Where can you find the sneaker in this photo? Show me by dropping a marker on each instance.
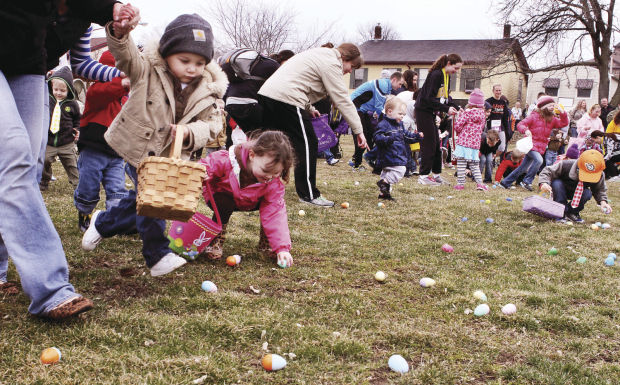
(614, 179)
(53, 178)
(416, 172)
(482, 186)
(574, 218)
(428, 181)
(526, 186)
(351, 163)
(332, 161)
(169, 263)
(83, 221)
(359, 168)
(70, 308)
(459, 187)
(502, 185)
(319, 201)
(440, 180)
(91, 237)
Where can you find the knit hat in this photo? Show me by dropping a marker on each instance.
(572, 152)
(477, 98)
(544, 100)
(187, 33)
(591, 165)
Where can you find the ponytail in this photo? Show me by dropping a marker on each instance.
(444, 60)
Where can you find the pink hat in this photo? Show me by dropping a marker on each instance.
(476, 98)
(544, 100)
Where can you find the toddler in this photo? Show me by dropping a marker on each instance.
(592, 141)
(173, 84)
(392, 142)
(250, 176)
(556, 140)
(509, 162)
(468, 128)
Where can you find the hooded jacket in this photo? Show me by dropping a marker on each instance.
(393, 141)
(69, 110)
(142, 128)
(568, 172)
(371, 96)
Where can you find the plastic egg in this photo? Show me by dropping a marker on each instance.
(481, 310)
(488, 201)
(609, 261)
(233, 260)
(344, 205)
(509, 309)
(599, 224)
(302, 213)
(398, 364)
(479, 294)
(582, 260)
(612, 255)
(594, 227)
(607, 211)
(380, 204)
(282, 264)
(482, 200)
(356, 183)
(552, 251)
(605, 226)
(273, 362)
(464, 219)
(209, 287)
(449, 197)
(494, 186)
(509, 199)
(447, 248)
(380, 276)
(427, 282)
(50, 356)
(490, 220)
(431, 198)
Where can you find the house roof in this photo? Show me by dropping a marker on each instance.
(427, 51)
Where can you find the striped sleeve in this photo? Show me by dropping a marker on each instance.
(83, 65)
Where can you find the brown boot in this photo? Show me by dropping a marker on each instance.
(216, 247)
(70, 309)
(263, 244)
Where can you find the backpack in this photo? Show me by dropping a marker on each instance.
(239, 64)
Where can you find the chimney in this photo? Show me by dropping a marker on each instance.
(378, 31)
(507, 28)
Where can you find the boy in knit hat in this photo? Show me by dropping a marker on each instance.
(574, 182)
(173, 85)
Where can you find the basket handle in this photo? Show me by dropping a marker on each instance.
(213, 205)
(178, 142)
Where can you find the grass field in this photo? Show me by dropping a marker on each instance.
(327, 315)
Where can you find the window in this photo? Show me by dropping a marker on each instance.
(583, 93)
(470, 79)
(584, 88)
(551, 91)
(358, 77)
(422, 74)
(392, 70)
(551, 86)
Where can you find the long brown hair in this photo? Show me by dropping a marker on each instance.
(350, 52)
(617, 118)
(275, 144)
(444, 60)
(408, 75)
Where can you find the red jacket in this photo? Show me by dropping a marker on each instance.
(540, 129)
(506, 165)
(103, 102)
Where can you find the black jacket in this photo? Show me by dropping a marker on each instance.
(428, 99)
(69, 111)
(24, 27)
(499, 111)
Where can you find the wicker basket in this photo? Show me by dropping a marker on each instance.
(169, 188)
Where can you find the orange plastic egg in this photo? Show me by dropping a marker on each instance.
(50, 356)
(272, 362)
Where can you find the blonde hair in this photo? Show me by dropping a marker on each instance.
(393, 102)
(594, 107)
(516, 154)
(493, 136)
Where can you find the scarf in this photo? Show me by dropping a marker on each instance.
(577, 196)
(55, 122)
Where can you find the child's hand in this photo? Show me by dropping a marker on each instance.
(421, 134)
(605, 207)
(76, 134)
(173, 128)
(126, 83)
(546, 188)
(285, 259)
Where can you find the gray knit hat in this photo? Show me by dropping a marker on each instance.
(187, 33)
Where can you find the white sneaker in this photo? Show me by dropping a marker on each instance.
(426, 180)
(440, 180)
(320, 201)
(169, 263)
(332, 162)
(91, 237)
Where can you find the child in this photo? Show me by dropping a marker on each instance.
(98, 162)
(510, 161)
(468, 128)
(556, 140)
(173, 84)
(392, 146)
(592, 141)
(489, 144)
(249, 177)
(64, 123)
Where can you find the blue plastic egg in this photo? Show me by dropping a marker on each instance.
(509, 199)
(398, 364)
(464, 219)
(490, 220)
(209, 287)
(481, 310)
(612, 255)
(609, 261)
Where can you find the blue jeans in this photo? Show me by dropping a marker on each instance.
(27, 233)
(550, 157)
(531, 163)
(122, 219)
(97, 167)
(328, 155)
(562, 194)
(486, 166)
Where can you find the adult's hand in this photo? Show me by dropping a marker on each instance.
(361, 141)
(315, 113)
(126, 18)
(452, 111)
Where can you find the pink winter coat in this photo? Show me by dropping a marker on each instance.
(469, 126)
(541, 129)
(269, 196)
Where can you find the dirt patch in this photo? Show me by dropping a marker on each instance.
(120, 289)
(380, 376)
(129, 272)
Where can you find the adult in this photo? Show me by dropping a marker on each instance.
(588, 123)
(369, 99)
(410, 79)
(287, 98)
(282, 56)
(499, 119)
(612, 149)
(576, 181)
(606, 108)
(517, 112)
(575, 114)
(26, 229)
(434, 97)
(538, 126)
(532, 106)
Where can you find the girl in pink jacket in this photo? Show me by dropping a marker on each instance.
(251, 176)
(538, 125)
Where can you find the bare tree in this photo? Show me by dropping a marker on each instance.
(264, 28)
(366, 31)
(544, 26)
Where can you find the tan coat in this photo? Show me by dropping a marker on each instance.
(141, 129)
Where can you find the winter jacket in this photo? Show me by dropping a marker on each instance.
(392, 141)
(373, 93)
(69, 110)
(24, 32)
(469, 126)
(142, 128)
(541, 129)
(586, 125)
(223, 176)
(431, 97)
(568, 172)
(506, 166)
(307, 78)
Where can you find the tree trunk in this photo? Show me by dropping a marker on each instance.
(603, 84)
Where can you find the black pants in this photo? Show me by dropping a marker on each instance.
(430, 151)
(225, 206)
(369, 126)
(295, 123)
(610, 167)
